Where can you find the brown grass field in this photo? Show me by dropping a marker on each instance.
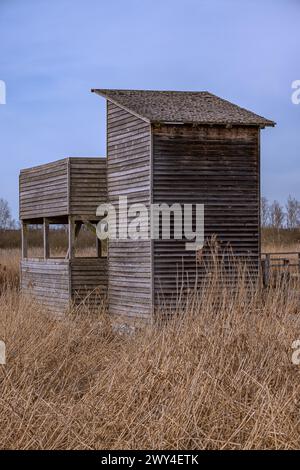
(218, 377)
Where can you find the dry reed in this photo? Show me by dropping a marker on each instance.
(218, 377)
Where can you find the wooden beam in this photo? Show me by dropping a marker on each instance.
(266, 270)
(46, 238)
(24, 234)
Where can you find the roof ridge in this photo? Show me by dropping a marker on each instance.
(147, 90)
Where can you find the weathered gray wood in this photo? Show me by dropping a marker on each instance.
(88, 188)
(43, 190)
(47, 281)
(71, 186)
(128, 174)
(24, 235)
(71, 237)
(219, 168)
(46, 239)
(56, 284)
(89, 281)
(98, 247)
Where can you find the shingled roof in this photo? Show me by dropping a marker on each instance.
(195, 107)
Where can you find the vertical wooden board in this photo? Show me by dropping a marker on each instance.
(46, 238)
(24, 239)
(71, 237)
(128, 174)
(219, 168)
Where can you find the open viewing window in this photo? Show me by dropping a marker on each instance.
(51, 239)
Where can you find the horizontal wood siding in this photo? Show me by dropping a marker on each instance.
(44, 190)
(89, 281)
(219, 168)
(47, 281)
(128, 174)
(73, 186)
(87, 185)
(55, 283)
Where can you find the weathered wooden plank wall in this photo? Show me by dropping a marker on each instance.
(128, 174)
(88, 281)
(47, 281)
(57, 283)
(72, 186)
(44, 190)
(87, 185)
(218, 167)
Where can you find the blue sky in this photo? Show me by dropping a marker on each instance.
(53, 52)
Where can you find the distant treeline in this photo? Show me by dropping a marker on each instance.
(6, 220)
(276, 216)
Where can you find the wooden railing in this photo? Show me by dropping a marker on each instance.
(280, 263)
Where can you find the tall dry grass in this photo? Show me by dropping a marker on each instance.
(9, 268)
(283, 237)
(217, 377)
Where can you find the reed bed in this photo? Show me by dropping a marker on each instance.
(219, 375)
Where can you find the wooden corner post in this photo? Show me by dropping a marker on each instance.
(24, 234)
(46, 238)
(98, 247)
(71, 238)
(266, 270)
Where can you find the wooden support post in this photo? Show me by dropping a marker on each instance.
(266, 270)
(46, 239)
(24, 232)
(71, 238)
(98, 247)
(78, 226)
(299, 262)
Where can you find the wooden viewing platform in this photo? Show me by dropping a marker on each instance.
(71, 186)
(68, 192)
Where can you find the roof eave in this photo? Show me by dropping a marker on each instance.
(108, 98)
(262, 124)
